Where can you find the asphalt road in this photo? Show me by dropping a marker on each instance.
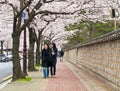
(5, 70)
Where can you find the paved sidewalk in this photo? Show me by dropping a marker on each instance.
(65, 80)
(68, 78)
(89, 80)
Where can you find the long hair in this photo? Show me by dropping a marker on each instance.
(54, 46)
(47, 46)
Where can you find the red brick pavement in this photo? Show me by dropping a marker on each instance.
(65, 80)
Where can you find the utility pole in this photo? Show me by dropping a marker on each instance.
(24, 54)
(24, 47)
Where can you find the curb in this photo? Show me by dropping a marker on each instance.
(6, 78)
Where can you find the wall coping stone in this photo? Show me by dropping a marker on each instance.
(114, 35)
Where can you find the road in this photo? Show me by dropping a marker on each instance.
(5, 70)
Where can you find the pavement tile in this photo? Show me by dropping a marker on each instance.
(38, 83)
(88, 79)
(65, 80)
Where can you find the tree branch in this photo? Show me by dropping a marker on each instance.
(45, 1)
(20, 12)
(31, 14)
(10, 4)
(50, 12)
(34, 33)
(40, 32)
(38, 5)
(28, 20)
(48, 22)
(52, 20)
(14, 9)
(3, 2)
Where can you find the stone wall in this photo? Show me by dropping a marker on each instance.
(101, 56)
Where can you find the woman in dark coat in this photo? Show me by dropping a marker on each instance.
(54, 52)
(61, 53)
(45, 60)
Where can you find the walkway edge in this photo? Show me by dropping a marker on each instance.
(88, 80)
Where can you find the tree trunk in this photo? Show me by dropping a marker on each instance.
(1, 47)
(31, 61)
(38, 55)
(17, 73)
(38, 49)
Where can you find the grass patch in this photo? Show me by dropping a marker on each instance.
(27, 79)
(37, 67)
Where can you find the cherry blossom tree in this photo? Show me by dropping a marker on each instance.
(36, 36)
(35, 8)
(90, 9)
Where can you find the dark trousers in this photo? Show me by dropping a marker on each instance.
(53, 70)
(47, 71)
(53, 67)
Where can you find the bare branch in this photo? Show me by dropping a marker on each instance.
(39, 4)
(3, 2)
(28, 21)
(52, 20)
(26, 5)
(31, 14)
(51, 36)
(35, 35)
(47, 1)
(40, 32)
(14, 8)
(48, 22)
(61, 0)
(10, 4)
(51, 12)
(70, 5)
(45, 26)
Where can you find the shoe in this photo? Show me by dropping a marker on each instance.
(54, 76)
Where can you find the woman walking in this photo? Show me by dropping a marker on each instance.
(54, 52)
(45, 60)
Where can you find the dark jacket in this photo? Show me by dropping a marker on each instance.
(54, 56)
(45, 57)
(61, 53)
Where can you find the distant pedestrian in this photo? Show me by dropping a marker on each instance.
(54, 52)
(45, 60)
(61, 53)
